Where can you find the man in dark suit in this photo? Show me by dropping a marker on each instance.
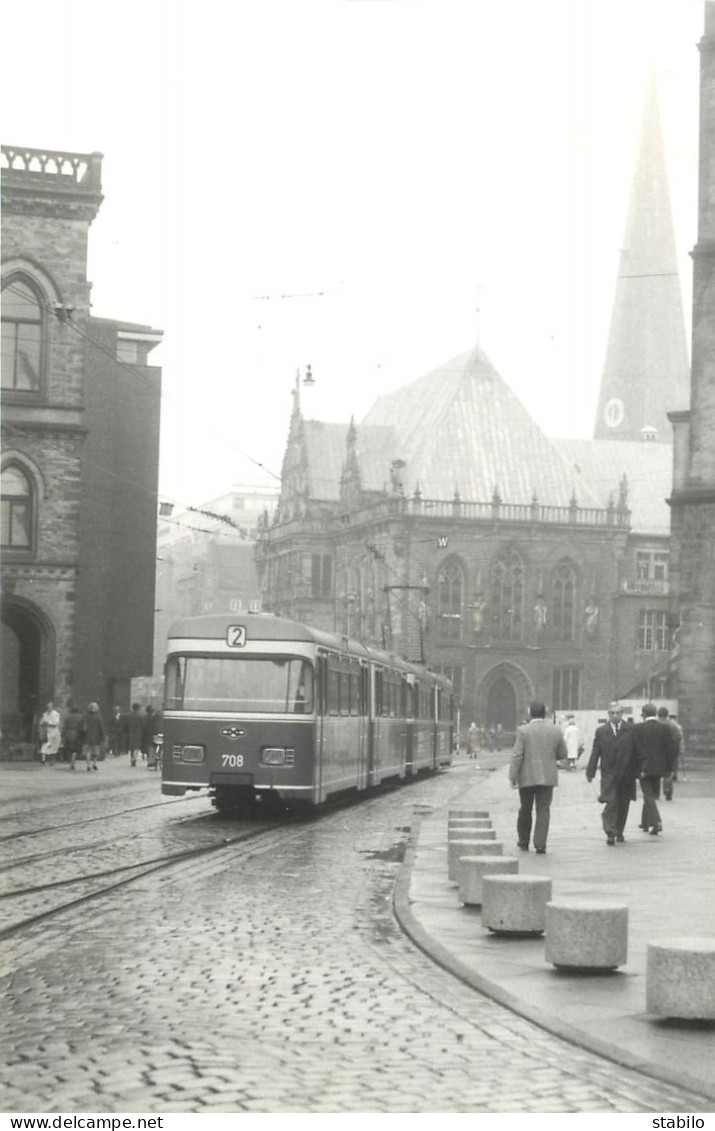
(613, 748)
(656, 752)
(534, 770)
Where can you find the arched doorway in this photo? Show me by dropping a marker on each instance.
(503, 697)
(501, 704)
(26, 660)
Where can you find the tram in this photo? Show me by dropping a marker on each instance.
(260, 707)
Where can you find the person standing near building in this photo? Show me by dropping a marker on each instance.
(533, 770)
(655, 751)
(133, 731)
(115, 735)
(50, 733)
(472, 735)
(72, 733)
(148, 735)
(613, 749)
(574, 742)
(93, 736)
(664, 717)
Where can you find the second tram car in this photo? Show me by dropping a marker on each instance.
(258, 706)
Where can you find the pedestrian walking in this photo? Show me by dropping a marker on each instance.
(668, 720)
(148, 735)
(115, 733)
(93, 736)
(533, 770)
(472, 735)
(133, 732)
(613, 749)
(50, 733)
(72, 730)
(655, 750)
(574, 743)
(154, 762)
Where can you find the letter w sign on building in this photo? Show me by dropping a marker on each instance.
(443, 541)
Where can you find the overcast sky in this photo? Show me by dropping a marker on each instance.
(412, 175)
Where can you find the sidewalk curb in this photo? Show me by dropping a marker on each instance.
(401, 904)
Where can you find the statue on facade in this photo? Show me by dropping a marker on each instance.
(591, 612)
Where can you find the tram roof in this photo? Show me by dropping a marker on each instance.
(265, 626)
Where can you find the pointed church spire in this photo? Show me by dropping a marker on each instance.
(646, 371)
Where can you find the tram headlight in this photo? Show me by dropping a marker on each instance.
(277, 756)
(188, 753)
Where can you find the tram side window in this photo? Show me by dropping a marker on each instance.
(379, 693)
(344, 682)
(333, 692)
(409, 700)
(393, 697)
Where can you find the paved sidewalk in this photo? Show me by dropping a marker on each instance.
(667, 882)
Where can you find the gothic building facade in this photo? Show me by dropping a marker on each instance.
(447, 527)
(80, 436)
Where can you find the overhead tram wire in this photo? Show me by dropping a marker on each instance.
(68, 320)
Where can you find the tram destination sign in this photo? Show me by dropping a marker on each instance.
(236, 636)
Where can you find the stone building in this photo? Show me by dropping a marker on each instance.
(693, 494)
(447, 526)
(80, 436)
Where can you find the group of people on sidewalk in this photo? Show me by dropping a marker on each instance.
(84, 734)
(647, 752)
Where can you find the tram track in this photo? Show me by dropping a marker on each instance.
(22, 833)
(140, 870)
(50, 854)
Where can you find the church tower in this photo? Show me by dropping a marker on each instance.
(646, 373)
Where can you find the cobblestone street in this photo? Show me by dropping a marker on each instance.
(276, 980)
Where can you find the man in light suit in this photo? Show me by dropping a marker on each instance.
(613, 748)
(534, 771)
(656, 751)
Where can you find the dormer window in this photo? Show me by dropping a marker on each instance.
(22, 333)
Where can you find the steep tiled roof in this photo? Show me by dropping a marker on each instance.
(326, 446)
(647, 466)
(461, 427)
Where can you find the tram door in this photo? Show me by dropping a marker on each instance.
(409, 714)
(365, 743)
(375, 689)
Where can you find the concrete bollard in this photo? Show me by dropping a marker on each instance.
(471, 832)
(680, 978)
(471, 871)
(471, 847)
(469, 822)
(515, 905)
(587, 934)
(468, 813)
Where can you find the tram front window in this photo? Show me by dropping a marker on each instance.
(277, 685)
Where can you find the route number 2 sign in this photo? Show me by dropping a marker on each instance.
(236, 636)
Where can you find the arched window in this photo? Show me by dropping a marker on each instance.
(450, 585)
(508, 597)
(22, 337)
(563, 602)
(17, 509)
